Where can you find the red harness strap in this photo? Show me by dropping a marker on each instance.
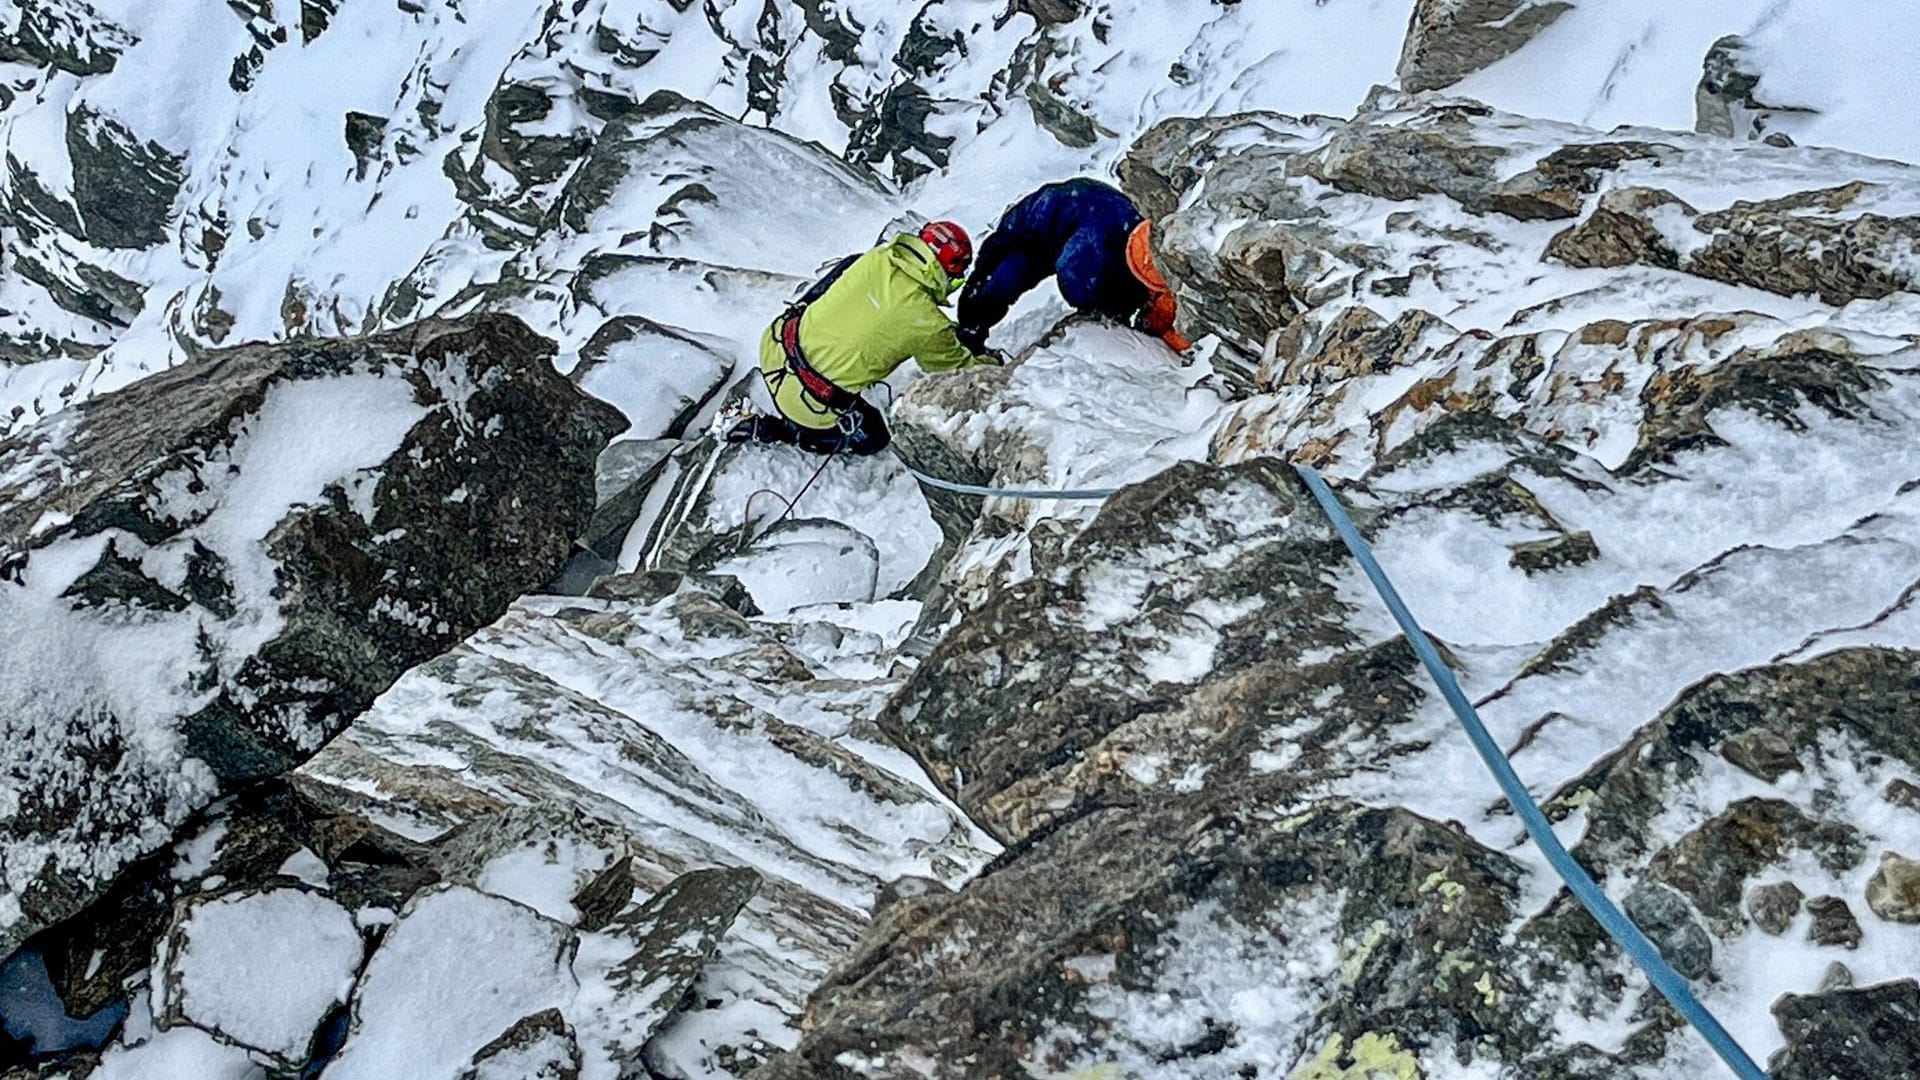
(787, 329)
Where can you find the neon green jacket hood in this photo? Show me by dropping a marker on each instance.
(883, 310)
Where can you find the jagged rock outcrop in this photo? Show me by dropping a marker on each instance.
(210, 573)
(1727, 103)
(1447, 40)
(123, 186)
(1650, 485)
(1441, 194)
(64, 34)
(1830, 243)
(1195, 658)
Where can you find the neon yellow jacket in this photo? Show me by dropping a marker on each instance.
(883, 310)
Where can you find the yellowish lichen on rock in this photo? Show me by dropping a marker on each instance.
(1372, 1057)
(1357, 959)
(1450, 890)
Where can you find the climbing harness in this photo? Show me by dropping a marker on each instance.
(1642, 951)
(786, 330)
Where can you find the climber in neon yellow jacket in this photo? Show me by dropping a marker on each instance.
(850, 331)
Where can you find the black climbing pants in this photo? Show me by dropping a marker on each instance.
(862, 432)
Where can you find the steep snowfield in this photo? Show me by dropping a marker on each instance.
(1637, 62)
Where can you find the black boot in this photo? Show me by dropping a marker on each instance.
(762, 429)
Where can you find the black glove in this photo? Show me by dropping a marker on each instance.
(974, 338)
(993, 356)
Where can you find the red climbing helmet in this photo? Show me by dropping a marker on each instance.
(951, 246)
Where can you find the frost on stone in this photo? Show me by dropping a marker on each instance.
(260, 969)
(639, 968)
(457, 970)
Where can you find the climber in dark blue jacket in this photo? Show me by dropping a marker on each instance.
(1088, 233)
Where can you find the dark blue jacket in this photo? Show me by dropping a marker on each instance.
(1077, 229)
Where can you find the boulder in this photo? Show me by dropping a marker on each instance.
(1447, 40)
(689, 170)
(1670, 923)
(213, 571)
(1034, 707)
(1775, 906)
(664, 379)
(1833, 923)
(1871, 1031)
(1175, 910)
(537, 1047)
(123, 185)
(259, 969)
(637, 769)
(804, 561)
(458, 969)
(1893, 893)
(655, 952)
(1727, 101)
(1829, 242)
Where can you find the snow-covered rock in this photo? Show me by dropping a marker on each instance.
(661, 738)
(804, 561)
(1451, 39)
(457, 971)
(259, 969)
(207, 575)
(1644, 505)
(1656, 515)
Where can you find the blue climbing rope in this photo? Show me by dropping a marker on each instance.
(1643, 952)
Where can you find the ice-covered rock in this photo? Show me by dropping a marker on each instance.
(1727, 101)
(1858, 241)
(662, 738)
(1569, 501)
(1655, 504)
(209, 574)
(538, 1047)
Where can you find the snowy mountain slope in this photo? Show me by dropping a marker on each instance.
(585, 759)
(1834, 78)
(329, 168)
(209, 576)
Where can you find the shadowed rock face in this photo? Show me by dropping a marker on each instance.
(283, 530)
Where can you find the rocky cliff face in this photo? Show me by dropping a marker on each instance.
(209, 574)
(1217, 770)
(787, 775)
